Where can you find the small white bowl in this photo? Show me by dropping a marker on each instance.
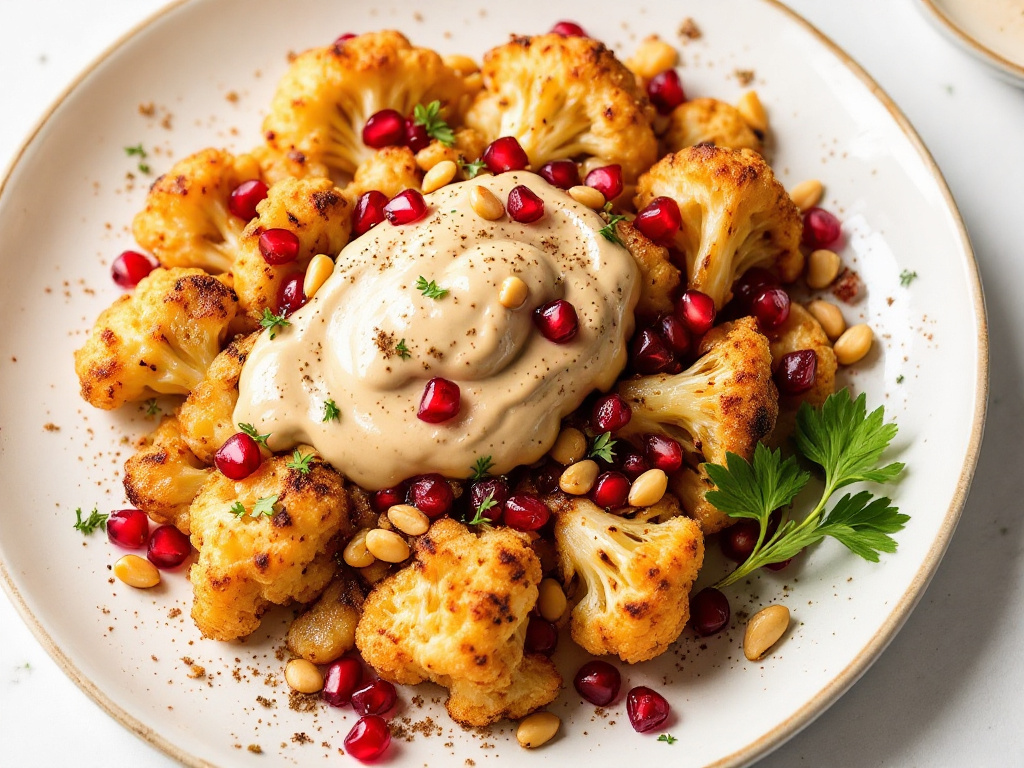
(990, 30)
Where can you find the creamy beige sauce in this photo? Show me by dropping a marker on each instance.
(515, 384)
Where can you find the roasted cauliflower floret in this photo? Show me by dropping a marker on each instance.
(328, 94)
(469, 145)
(457, 616)
(709, 121)
(164, 476)
(390, 171)
(635, 576)
(659, 277)
(563, 97)
(328, 629)
(276, 166)
(735, 216)
(274, 553)
(159, 339)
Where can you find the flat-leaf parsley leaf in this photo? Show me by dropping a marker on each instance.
(250, 430)
(668, 738)
(273, 322)
(471, 169)
(300, 462)
(429, 117)
(603, 447)
(431, 290)
(95, 520)
(331, 411)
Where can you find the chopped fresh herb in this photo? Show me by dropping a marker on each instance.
(608, 231)
(668, 738)
(488, 503)
(300, 462)
(431, 290)
(907, 277)
(273, 322)
(92, 522)
(331, 411)
(139, 152)
(250, 430)
(264, 506)
(899, 379)
(603, 447)
(238, 509)
(144, 167)
(402, 350)
(152, 407)
(471, 169)
(482, 467)
(430, 118)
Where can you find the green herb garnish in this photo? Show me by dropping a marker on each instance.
(331, 411)
(300, 462)
(603, 447)
(482, 467)
(431, 290)
(402, 350)
(92, 522)
(139, 152)
(488, 503)
(471, 169)
(273, 322)
(608, 231)
(264, 506)
(152, 407)
(250, 430)
(430, 118)
(668, 738)
(907, 277)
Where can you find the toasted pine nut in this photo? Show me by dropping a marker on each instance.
(439, 175)
(652, 56)
(513, 292)
(853, 344)
(570, 446)
(579, 478)
(752, 111)
(807, 194)
(464, 65)
(829, 316)
(822, 268)
(648, 488)
(303, 676)
(408, 519)
(537, 729)
(319, 269)
(387, 546)
(356, 554)
(764, 630)
(551, 603)
(137, 572)
(473, 82)
(588, 196)
(485, 204)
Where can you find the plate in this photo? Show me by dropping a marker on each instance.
(990, 30)
(68, 201)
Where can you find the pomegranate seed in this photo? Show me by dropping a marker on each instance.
(649, 354)
(406, 207)
(665, 90)
(709, 611)
(128, 528)
(568, 29)
(821, 228)
(441, 401)
(659, 220)
(546, 477)
(663, 453)
(779, 566)
(375, 698)
(342, 39)
(610, 490)
(647, 709)
(168, 547)
(130, 267)
(497, 489)
(563, 174)
(672, 331)
(431, 495)
(245, 197)
(611, 413)
(526, 512)
(771, 307)
(279, 246)
(341, 679)
(416, 136)
(541, 636)
(290, 296)
(384, 129)
(383, 500)
(505, 154)
(524, 206)
(557, 321)
(796, 372)
(697, 311)
(369, 212)
(238, 457)
(633, 464)
(753, 281)
(598, 682)
(607, 180)
(368, 738)
(739, 540)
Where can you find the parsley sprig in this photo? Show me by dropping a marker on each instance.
(252, 432)
(331, 411)
(429, 117)
(668, 738)
(603, 447)
(263, 506)
(402, 350)
(609, 231)
(482, 467)
(479, 518)
(151, 407)
(847, 443)
(431, 290)
(472, 168)
(299, 462)
(273, 322)
(907, 277)
(95, 520)
(139, 152)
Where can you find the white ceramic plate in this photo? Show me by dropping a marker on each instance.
(990, 30)
(208, 67)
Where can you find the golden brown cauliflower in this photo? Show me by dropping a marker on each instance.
(249, 561)
(469, 145)
(635, 576)
(735, 216)
(457, 616)
(563, 97)
(325, 98)
(389, 170)
(328, 629)
(159, 339)
(709, 121)
(659, 277)
(276, 166)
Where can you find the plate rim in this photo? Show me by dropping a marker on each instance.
(971, 44)
(902, 608)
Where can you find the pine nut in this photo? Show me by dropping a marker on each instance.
(537, 729)
(137, 572)
(807, 194)
(551, 603)
(303, 676)
(752, 111)
(570, 446)
(439, 175)
(648, 488)
(588, 196)
(822, 268)
(408, 519)
(485, 204)
(853, 344)
(319, 269)
(464, 65)
(513, 292)
(356, 554)
(578, 478)
(764, 630)
(652, 56)
(829, 316)
(387, 546)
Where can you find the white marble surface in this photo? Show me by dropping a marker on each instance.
(948, 690)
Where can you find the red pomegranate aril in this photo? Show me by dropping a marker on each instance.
(494, 487)
(610, 413)
(563, 174)
(750, 284)
(431, 495)
(416, 136)
(738, 540)
(611, 489)
(697, 311)
(368, 738)
(524, 206)
(709, 611)
(796, 372)
(659, 220)
(245, 197)
(505, 154)
(406, 207)
(375, 698)
(290, 296)
(568, 29)
(663, 452)
(342, 39)
(672, 331)
(771, 308)
(369, 212)
(647, 709)
(440, 402)
(633, 464)
(607, 180)
(128, 528)
(526, 512)
(384, 129)
(821, 228)
(557, 321)
(598, 682)
(779, 566)
(545, 478)
(168, 547)
(541, 636)
(340, 680)
(238, 457)
(130, 267)
(279, 246)
(665, 90)
(649, 353)
(383, 500)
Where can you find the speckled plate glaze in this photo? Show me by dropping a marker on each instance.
(177, 85)
(990, 30)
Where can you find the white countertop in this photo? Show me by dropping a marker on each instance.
(948, 691)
